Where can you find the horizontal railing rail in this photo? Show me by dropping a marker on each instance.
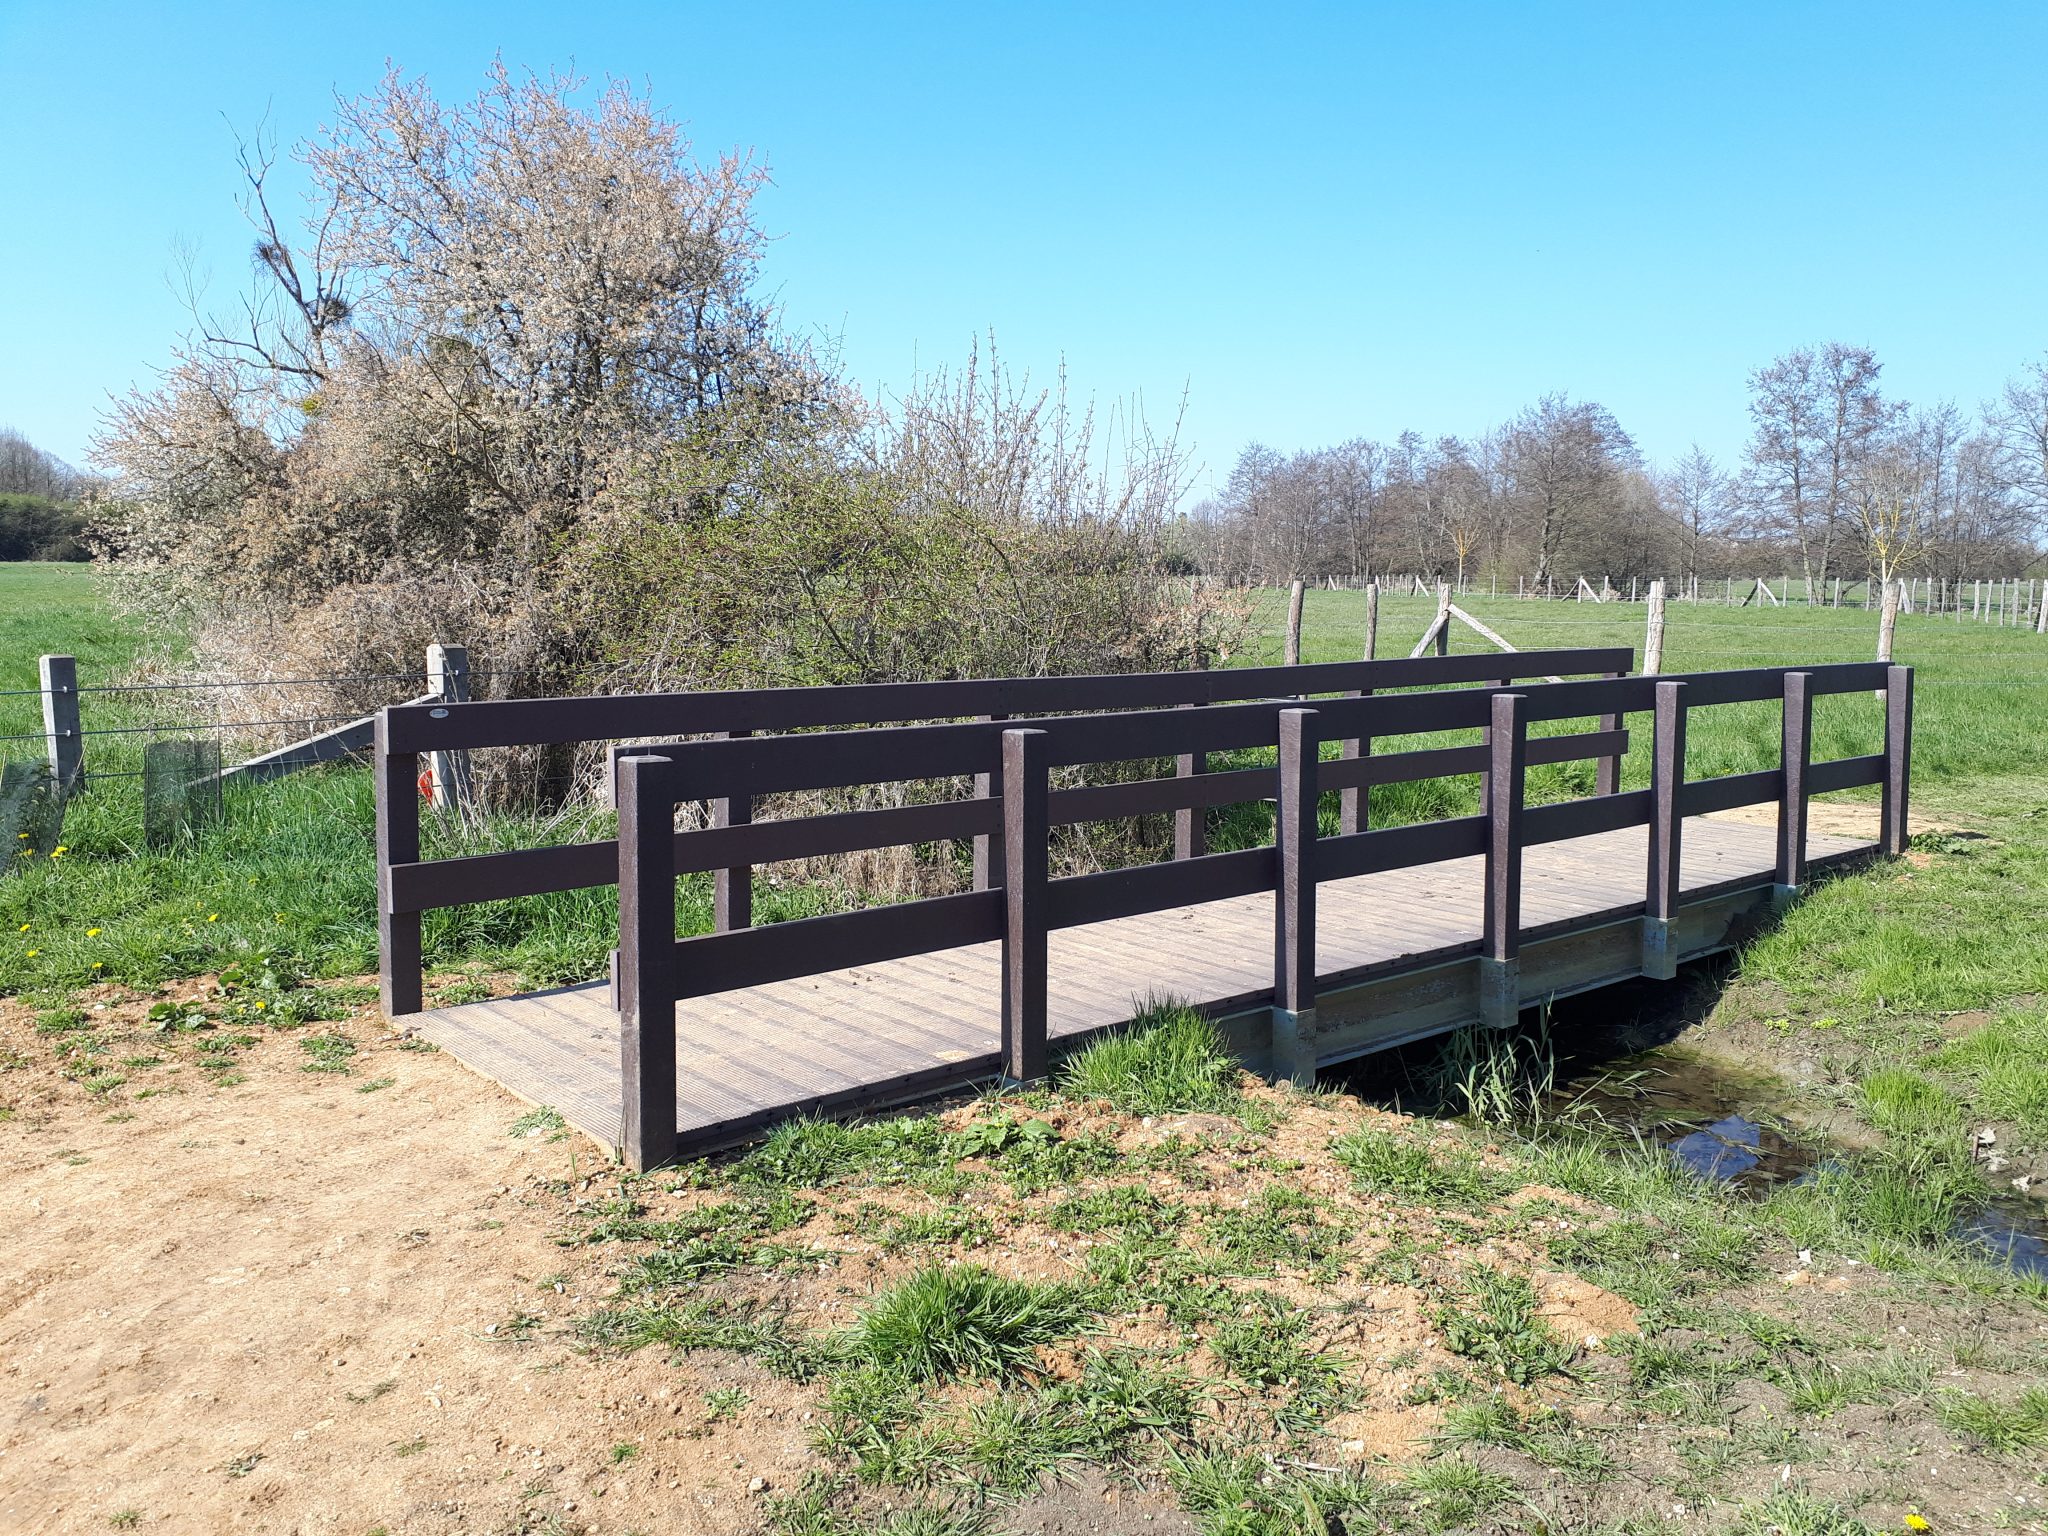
(409, 885)
(656, 969)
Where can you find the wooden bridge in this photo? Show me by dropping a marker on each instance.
(1309, 950)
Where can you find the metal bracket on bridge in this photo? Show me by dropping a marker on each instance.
(1500, 992)
(1660, 949)
(1294, 1046)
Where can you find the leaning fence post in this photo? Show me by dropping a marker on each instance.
(732, 890)
(647, 961)
(398, 842)
(1500, 982)
(1796, 756)
(1026, 828)
(60, 722)
(1294, 904)
(1667, 831)
(1898, 759)
(448, 681)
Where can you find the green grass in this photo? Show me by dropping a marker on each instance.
(963, 1321)
(1170, 1059)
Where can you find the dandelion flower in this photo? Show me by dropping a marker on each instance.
(33, 953)
(60, 848)
(1918, 1523)
(261, 1005)
(92, 933)
(22, 929)
(97, 964)
(214, 918)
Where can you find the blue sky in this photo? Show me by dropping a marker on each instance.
(1319, 222)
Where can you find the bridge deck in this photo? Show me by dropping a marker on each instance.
(875, 1033)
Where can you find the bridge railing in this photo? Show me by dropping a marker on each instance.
(656, 969)
(409, 885)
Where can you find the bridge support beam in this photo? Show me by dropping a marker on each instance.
(1294, 1046)
(1667, 831)
(1500, 971)
(1026, 826)
(1294, 901)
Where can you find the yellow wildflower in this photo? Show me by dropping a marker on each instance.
(97, 964)
(60, 848)
(261, 1005)
(92, 933)
(23, 928)
(214, 918)
(1918, 1523)
(33, 953)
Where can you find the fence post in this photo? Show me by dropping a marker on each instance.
(1898, 759)
(647, 960)
(1888, 620)
(988, 848)
(1294, 900)
(1796, 755)
(1500, 982)
(1190, 822)
(1025, 857)
(2041, 615)
(448, 681)
(732, 890)
(1354, 805)
(1653, 637)
(60, 722)
(1667, 833)
(1294, 600)
(1372, 619)
(399, 982)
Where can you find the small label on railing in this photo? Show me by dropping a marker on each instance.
(437, 714)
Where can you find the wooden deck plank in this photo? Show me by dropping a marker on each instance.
(750, 1056)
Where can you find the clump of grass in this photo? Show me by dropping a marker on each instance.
(1388, 1163)
(1493, 1319)
(1500, 1076)
(1171, 1059)
(963, 1321)
(541, 1121)
(1901, 1102)
(2005, 1428)
(818, 1152)
(1795, 1512)
(329, 1052)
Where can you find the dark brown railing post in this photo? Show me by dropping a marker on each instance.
(398, 842)
(1500, 981)
(1294, 900)
(647, 960)
(1796, 755)
(1190, 823)
(1667, 833)
(988, 848)
(1026, 829)
(1354, 806)
(1607, 772)
(732, 890)
(1895, 832)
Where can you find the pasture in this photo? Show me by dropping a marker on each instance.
(1460, 1290)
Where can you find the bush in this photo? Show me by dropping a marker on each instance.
(38, 528)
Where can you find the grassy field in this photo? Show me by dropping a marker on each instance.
(288, 876)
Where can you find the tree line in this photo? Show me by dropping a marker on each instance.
(40, 516)
(1837, 481)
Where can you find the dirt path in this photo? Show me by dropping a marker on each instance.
(295, 1306)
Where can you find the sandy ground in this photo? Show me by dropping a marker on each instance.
(291, 1306)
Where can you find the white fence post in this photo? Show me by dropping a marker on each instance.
(60, 721)
(448, 681)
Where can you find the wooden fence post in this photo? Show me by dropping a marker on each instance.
(60, 722)
(1026, 827)
(2041, 614)
(1500, 982)
(647, 960)
(448, 681)
(1795, 756)
(1653, 638)
(1895, 831)
(1294, 900)
(1667, 833)
(1190, 823)
(988, 848)
(400, 984)
(732, 890)
(1294, 601)
(1372, 619)
(1443, 618)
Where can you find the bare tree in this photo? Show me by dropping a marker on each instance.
(1702, 501)
(1567, 464)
